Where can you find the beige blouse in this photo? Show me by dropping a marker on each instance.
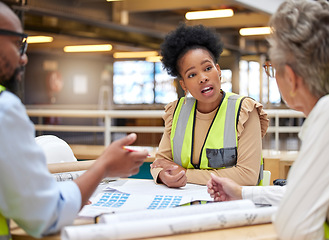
(252, 126)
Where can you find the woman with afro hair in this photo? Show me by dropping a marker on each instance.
(212, 131)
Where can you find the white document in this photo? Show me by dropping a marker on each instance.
(115, 201)
(130, 195)
(170, 225)
(194, 191)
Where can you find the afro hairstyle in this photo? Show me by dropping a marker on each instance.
(185, 38)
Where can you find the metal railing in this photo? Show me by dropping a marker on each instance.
(276, 114)
(108, 115)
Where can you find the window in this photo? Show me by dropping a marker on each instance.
(165, 90)
(271, 93)
(226, 84)
(250, 83)
(141, 82)
(249, 79)
(244, 78)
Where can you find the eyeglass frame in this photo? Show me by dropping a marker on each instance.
(269, 69)
(23, 46)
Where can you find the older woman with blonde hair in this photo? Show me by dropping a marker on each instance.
(299, 53)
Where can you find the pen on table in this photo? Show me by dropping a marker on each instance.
(133, 150)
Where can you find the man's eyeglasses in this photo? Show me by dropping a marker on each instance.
(269, 69)
(23, 36)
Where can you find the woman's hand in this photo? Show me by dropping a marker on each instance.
(223, 189)
(172, 174)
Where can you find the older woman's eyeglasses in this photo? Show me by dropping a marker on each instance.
(23, 41)
(269, 69)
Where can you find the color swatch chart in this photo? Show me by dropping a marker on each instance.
(165, 201)
(112, 199)
(118, 199)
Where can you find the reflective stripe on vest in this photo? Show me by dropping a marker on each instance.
(219, 148)
(4, 228)
(182, 125)
(261, 170)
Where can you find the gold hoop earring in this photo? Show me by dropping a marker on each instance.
(292, 94)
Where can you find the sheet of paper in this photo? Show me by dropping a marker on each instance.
(133, 194)
(115, 201)
(143, 186)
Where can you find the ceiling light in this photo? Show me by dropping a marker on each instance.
(209, 14)
(39, 39)
(135, 54)
(255, 31)
(88, 48)
(154, 59)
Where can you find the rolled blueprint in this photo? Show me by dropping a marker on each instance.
(70, 166)
(176, 211)
(169, 225)
(67, 176)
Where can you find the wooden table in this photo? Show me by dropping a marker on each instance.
(279, 162)
(284, 167)
(262, 231)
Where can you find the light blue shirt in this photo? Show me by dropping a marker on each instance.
(28, 192)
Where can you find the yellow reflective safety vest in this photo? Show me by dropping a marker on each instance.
(326, 230)
(4, 228)
(219, 149)
(4, 223)
(2, 88)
